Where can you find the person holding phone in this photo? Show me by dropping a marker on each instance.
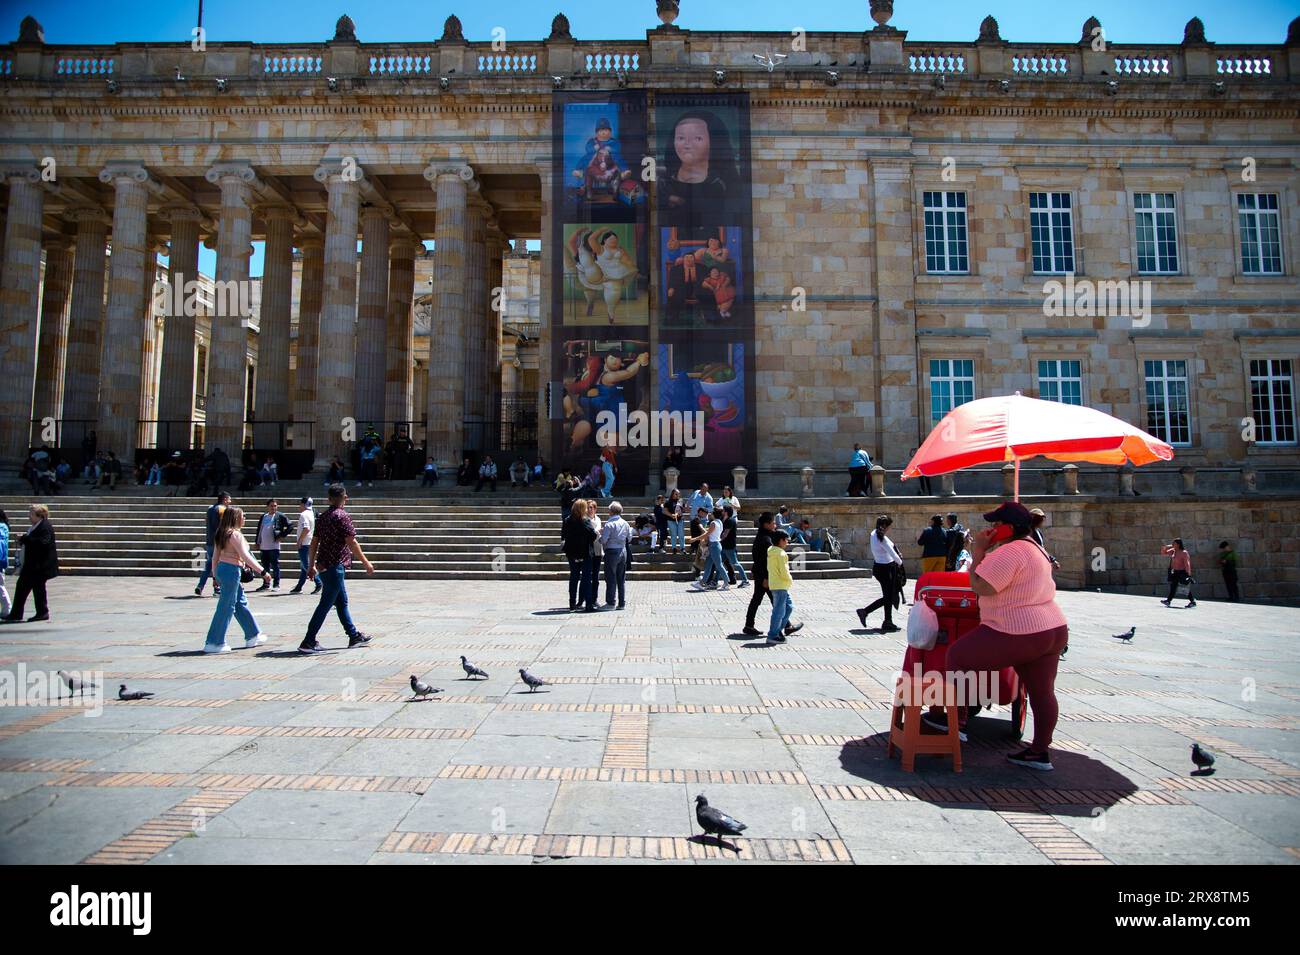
(1180, 571)
(887, 568)
(1020, 624)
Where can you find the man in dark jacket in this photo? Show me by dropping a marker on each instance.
(762, 541)
(214, 518)
(956, 540)
(40, 563)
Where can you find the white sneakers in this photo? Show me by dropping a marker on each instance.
(255, 641)
(224, 648)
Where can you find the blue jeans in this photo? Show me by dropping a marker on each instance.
(608, 483)
(615, 574)
(589, 583)
(713, 565)
(782, 609)
(231, 603)
(304, 555)
(203, 577)
(677, 532)
(334, 595)
(730, 557)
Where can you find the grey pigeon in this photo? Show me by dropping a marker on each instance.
(1203, 758)
(532, 681)
(423, 689)
(76, 686)
(127, 696)
(1126, 637)
(715, 822)
(471, 670)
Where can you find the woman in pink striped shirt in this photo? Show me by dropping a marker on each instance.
(1020, 624)
(1180, 571)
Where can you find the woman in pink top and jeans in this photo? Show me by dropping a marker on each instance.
(1180, 570)
(1020, 624)
(229, 552)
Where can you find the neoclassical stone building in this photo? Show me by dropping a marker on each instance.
(909, 205)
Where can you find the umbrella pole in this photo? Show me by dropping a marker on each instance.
(1017, 484)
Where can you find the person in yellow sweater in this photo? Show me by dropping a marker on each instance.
(779, 583)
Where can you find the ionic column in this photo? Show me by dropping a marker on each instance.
(48, 401)
(122, 342)
(227, 354)
(402, 251)
(309, 301)
(372, 318)
(273, 336)
(85, 327)
(544, 345)
(335, 356)
(495, 308)
(447, 336)
(20, 292)
(176, 379)
(147, 404)
(476, 323)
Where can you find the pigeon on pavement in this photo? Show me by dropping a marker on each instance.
(127, 696)
(715, 822)
(1203, 758)
(1126, 637)
(532, 681)
(471, 670)
(75, 685)
(423, 689)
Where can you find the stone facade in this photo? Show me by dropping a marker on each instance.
(849, 135)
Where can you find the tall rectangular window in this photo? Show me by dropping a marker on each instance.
(1060, 380)
(1051, 228)
(1272, 400)
(952, 383)
(1169, 415)
(945, 232)
(1157, 232)
(1261, 233)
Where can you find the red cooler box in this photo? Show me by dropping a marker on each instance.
(949, 595)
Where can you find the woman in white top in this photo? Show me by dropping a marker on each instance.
(597, 548)
(887, 569)
(230, 552)
(730, 498)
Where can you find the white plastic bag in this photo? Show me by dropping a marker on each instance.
(922, 626)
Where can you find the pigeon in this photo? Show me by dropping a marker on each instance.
(76, 686)
(1126, 637)
(1203, 758)
(532, 681)
(127, 696)
(715, 822)
(423, 689)
(471, 670)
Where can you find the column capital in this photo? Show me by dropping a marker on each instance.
(19, 170)
(222, 172)
(180, 212)
(276, 212)
(81, 214)
(404, 245)
(115, 172)
(346, 169)
(310, 243)
(373, 211)
(57, 243)
(448, 167)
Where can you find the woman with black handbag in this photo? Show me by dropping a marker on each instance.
(1180, 571)
(231, 561)
(578, 536)
(888, 571)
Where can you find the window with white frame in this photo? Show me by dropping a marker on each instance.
(952, 383)
(1169, 415)
(1051, 231)
(945, 232)
(1157, 232)
(1272, 400)
(1060, 380)
(1261, 233)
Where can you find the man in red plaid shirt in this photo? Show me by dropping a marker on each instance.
(332, 550)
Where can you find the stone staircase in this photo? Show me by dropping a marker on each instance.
(447, 534)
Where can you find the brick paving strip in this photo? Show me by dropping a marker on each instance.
(36, 721)
(1053, 839)
(1250, 756)
(1211, 784)
(614, 847)
(164, 831)
(627, 745)
(321, 732)
(243, 781)
(996, 798)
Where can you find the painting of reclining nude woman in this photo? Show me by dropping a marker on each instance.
(702, 277)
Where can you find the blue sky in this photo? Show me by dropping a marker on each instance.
(1125, 21)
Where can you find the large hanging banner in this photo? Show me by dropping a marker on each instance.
(705, 319)
(643, 373)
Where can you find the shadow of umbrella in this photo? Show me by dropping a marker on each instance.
(1079, 785)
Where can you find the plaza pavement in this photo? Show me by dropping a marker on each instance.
(264, 756)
